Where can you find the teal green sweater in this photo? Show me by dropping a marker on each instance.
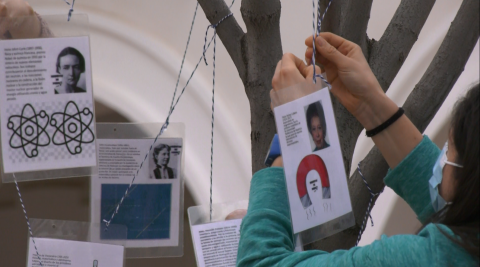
(266, 231)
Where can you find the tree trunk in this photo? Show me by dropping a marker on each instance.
(256, 53)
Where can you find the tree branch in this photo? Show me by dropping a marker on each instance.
(355, 19)
(388, 54)
(229, 31)
(447, 65)
(420, 106)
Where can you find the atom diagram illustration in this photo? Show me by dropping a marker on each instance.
(29, 130)
(72, 128)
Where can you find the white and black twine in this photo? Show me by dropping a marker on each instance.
(214, 26)
(70, 11)
(172, 108)
(369, 208)
(316, 32)
(26, 218)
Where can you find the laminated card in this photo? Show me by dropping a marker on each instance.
(46, 104)
(313, 164)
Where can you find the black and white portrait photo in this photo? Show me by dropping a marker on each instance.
(165, 160)
(70, 66)
(317, 126)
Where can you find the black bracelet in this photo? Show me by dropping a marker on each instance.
(387, 123)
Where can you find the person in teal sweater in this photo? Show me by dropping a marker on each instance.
(442, 187)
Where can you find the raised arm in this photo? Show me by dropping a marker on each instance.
(358, 90)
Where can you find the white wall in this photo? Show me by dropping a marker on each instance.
(137, 48)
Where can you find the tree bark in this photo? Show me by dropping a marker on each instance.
(255, 54)
(388, 54)
(263, 51)
(420, 107)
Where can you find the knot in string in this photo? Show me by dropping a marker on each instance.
(316, 32)
(71, 8)
(369, 208)
(214, 26)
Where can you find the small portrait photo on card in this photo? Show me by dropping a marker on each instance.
(317, 126)
(70, 68)
(164, 161)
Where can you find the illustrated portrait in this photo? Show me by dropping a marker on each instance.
(70, 66)
(161, 158)
(317, 126)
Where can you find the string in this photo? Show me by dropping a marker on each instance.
(369, 208)
(71, 9)
(316, 32)
(165, 125)
(26, 218)
(214, 26)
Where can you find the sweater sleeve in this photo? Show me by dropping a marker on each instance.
(410, 178)
(266, 237)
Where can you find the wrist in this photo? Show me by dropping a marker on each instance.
(376, 111)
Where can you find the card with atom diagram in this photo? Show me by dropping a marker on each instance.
(46, 104)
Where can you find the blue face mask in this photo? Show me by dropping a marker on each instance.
(438, 202)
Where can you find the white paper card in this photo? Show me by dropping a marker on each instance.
(46, 104)
(216, 244)
(315, 175)
(152, 208)
(66, 253)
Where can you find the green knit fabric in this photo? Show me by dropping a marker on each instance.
(266, 231)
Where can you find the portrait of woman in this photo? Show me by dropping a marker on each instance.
(71, 65)
(161, 158)
(317, 127)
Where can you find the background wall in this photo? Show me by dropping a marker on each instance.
(137, 47)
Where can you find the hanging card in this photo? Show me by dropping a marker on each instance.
(153, 208)
(314, 171)
(215, 242)
(47, 121)
(67, 243)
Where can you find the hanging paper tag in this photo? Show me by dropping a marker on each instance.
(313, 163)
(216, 244)
(66, 253)
(152, 208)
(47, 111)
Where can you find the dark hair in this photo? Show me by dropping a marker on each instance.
(316, 109)
(157, 150)
(74, 52)
(462, 216)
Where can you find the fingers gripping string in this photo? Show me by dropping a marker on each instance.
(26, 218)
(369, 208)
(316, 32)
(214, 26)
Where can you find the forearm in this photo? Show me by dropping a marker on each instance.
(396, 141)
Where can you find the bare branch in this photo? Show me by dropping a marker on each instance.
(229, 31)
(447, 65)
(264, 45)
(388, 54)
(420, 106)
(355, 19)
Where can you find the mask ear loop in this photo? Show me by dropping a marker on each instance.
(445, 159)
